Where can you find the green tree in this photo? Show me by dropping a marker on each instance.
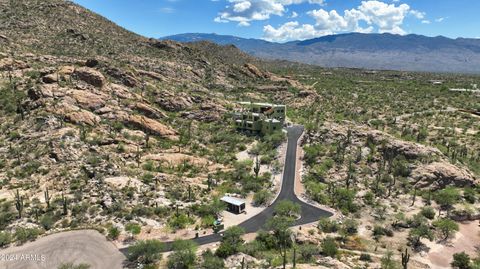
(344, 200)
(280, 226)
(417, 233)
(447, 197)
(446, 226)
(287, 209)
(145, 252)
(231, 242)
(183, 256)
(461, 261)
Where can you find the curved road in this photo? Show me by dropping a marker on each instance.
(309, 212)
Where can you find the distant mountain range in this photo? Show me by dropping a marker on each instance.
(355, 50)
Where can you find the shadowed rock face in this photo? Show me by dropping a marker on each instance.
(441, 174)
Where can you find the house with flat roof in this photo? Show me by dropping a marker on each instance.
(261, 118)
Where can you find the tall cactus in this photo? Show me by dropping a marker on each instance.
(294, 257)
(256, 169)
(19, 204)
(47, 197)
(405, 259)
(65, 205)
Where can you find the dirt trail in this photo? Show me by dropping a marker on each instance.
(467, 239)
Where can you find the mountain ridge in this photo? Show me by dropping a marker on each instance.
(356, 50)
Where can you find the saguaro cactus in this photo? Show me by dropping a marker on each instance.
(256, 169)
(405, 259)
(65, 205)
(47, 198)
(19, 204)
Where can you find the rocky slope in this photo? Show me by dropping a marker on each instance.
(89, 110)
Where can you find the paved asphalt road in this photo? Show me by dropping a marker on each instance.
(309, 213)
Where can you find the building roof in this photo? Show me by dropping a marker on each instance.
(232, 200)
(272, 120)
(261, 104)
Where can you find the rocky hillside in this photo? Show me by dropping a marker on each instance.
(100, 126)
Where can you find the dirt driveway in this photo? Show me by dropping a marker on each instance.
(85, 246)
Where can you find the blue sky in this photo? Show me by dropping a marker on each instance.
(284, 20)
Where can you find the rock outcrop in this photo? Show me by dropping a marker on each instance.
(441, 174)
(90, 76)
(150, 125)
(75, 114)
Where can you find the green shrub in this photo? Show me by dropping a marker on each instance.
(24, 235)
(145, 252)
(113, 232)
(428, 212)
(328, 226)
(262, 198)
(47, 222)
(365, 257)
(73, 266)
(179, 221)
(329, 247)
(307, 252)
(5, 238)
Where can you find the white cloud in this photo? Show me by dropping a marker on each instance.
(426, 21)
(294, 15)
(418, 14)
(291, 31)
(245, 11)
(440, 19)
(241, 6)
(370, 16)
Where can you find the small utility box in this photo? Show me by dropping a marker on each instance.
(234, 205)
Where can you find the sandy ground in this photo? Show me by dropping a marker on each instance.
(467, 239)
(6, 194)
(86, 246)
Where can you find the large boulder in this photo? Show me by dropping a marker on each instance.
(127, 78)
(150, 125)
(90, 76)
(440, 174)
(149, 111)
(88, 100)
(50, 78)
(66, 70)
(7, 64)
(75, 114)
(174, 102)
(254, 71)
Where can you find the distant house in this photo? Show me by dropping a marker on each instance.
(234, 205)
(261, 118)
